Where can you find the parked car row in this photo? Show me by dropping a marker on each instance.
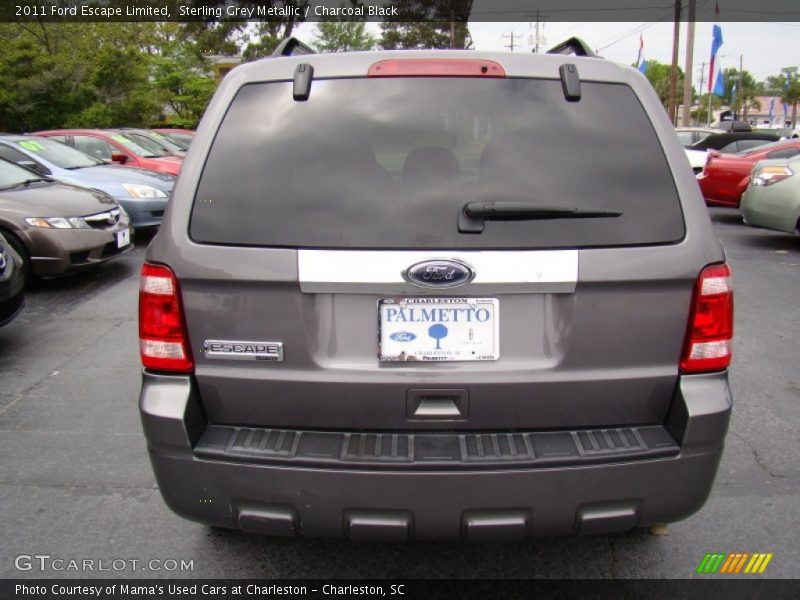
(761, 181)
(127, 147)
(70, 199)
(725, 142)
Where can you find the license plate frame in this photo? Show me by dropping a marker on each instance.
(408, 340)
(123, 238)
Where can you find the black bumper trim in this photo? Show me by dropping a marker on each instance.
(425, 450)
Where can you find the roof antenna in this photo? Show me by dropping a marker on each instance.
(303, 75)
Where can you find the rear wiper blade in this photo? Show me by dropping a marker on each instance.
(474, 215)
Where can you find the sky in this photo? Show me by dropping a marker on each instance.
(765, 47)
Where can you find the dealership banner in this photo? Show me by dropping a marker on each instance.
(312, 589)
(385, 10)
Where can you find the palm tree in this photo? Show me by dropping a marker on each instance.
(791, 95)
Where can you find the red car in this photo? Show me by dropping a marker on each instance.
(726, 176)
(115, 146)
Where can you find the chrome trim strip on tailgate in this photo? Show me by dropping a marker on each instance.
(381, 271)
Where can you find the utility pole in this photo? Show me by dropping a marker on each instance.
(511, 37)
(673, 79)
(452, 29)
(700, 89)
(740, 92)
(687, 71)
(702, 77)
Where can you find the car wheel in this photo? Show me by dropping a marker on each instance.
(19, 248)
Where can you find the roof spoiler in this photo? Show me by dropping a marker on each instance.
(292, 47)
(574, 46)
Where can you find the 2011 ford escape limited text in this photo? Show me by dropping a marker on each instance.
(435, 295)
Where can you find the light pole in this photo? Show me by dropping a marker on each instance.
(739, 91)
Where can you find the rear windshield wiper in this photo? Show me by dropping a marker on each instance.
(473, 216)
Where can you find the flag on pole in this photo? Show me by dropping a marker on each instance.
(716, 84)
(641, 64)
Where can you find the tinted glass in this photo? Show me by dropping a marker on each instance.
(748, 144)
(686, 138)
(181, 139)
(131, 146)
(11, 174)
(152, 147)
(390, 163)
(93, 146)
(785, 153)
(766, 148)
(57, 153)
(14, 155)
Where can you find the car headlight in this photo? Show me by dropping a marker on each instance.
(136, 190)
(57, 222)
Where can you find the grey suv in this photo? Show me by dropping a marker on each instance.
(435, 295)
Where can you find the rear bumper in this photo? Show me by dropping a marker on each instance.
(400, 503)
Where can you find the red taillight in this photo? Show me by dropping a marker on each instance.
(708, 340)
(163, 343)
(436, 67)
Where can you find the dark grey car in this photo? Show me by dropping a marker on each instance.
(435, 295)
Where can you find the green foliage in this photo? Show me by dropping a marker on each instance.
(658, 74)
(791, 95)
(428, 24)
(65, 74)
(343, 36)
(701, 114)
(100, 75)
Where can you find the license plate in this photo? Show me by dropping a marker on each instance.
(438, 329)
(123, 238)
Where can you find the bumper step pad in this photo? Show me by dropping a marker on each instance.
(426, 450)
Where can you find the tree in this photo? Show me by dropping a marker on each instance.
(422, 24)
(791, 95)
(658, 74)
(182, 75)
(743, 98)
(788, 90)
(69, 74)
(701, 114)
(343, 36)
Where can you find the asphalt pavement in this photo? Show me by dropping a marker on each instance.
(76, 484)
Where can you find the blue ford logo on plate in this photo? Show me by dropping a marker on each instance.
(403, 336)
(441, 273)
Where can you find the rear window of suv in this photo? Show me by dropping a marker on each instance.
(390, 163)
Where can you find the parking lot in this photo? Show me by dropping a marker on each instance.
(75, 481)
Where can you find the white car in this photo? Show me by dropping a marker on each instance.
(697, 159)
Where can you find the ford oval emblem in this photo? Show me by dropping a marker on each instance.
(403, 336)
(442, 273)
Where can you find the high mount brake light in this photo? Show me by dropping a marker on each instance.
(436, 67)
(710, 332)
(163, 342)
